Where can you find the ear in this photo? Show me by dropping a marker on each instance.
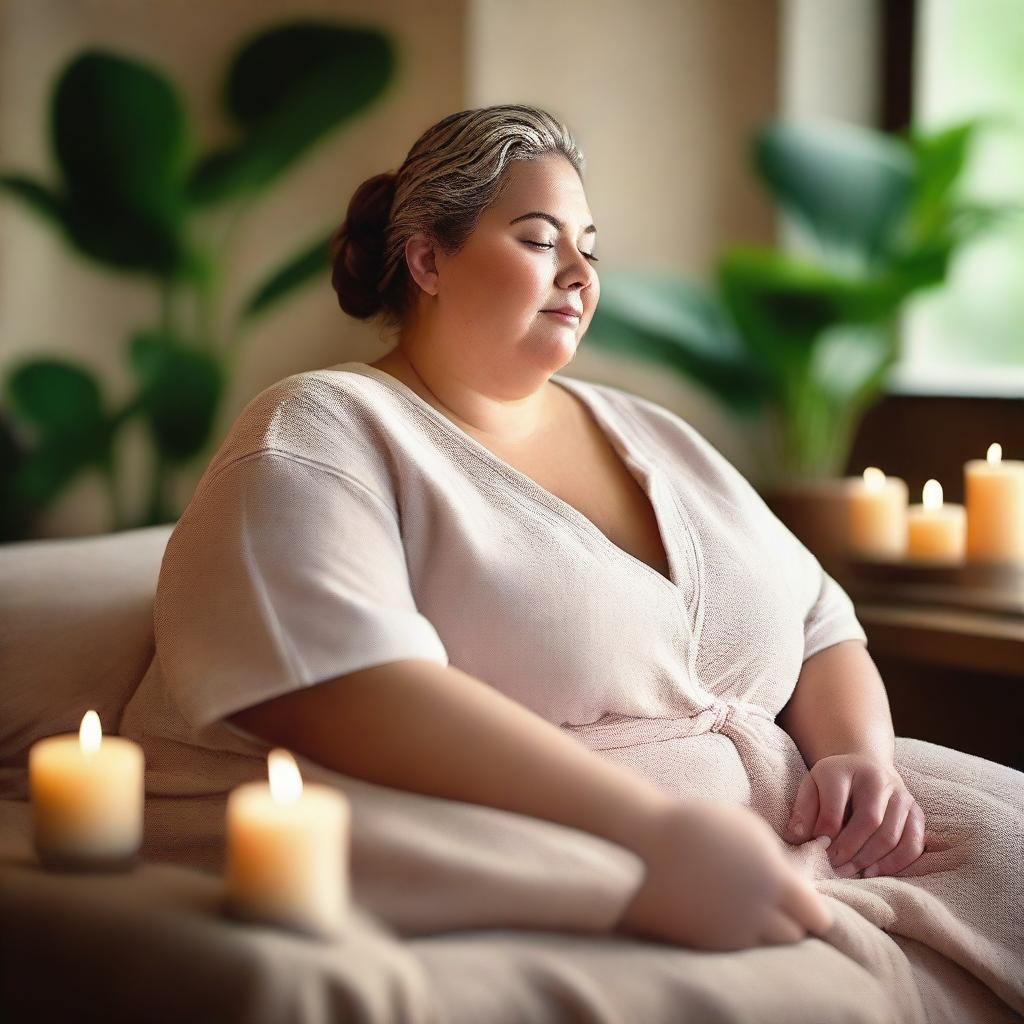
(420, 258)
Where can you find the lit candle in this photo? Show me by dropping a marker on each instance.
(936, 532)
(994, 491)
(87, 793)
(288, 851)
(877, 515)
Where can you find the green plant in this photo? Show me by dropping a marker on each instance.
(810, 336)
(134, 195)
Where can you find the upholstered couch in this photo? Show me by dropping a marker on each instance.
(152, 945)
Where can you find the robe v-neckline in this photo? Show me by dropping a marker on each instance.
(638, 467)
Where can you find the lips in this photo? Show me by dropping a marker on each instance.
(566, 311)
(565, 319)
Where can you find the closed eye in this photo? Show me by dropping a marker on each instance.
(548, 245)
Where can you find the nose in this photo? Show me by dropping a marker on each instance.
(577, 273)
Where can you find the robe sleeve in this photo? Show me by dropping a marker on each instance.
(282, 573)
(832, 618)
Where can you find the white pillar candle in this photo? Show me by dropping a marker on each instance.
(877, 516)
(994, 495)
(936, 531)
(288, 851)
(87, 792)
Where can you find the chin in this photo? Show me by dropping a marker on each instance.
(551, 352)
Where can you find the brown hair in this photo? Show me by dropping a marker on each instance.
(452, 173)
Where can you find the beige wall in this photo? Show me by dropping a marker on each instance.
(663, 95)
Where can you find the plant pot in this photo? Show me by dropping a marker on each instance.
(816, 512)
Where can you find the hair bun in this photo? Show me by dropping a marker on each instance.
(357, 247)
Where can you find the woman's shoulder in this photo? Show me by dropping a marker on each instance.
(330, 417)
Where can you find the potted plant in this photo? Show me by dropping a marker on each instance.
(133, 193)
(804, 339)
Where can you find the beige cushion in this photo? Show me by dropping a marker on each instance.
(76, 631)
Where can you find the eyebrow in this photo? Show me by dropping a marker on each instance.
(590, 229)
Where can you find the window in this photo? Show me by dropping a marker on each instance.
(968, 337)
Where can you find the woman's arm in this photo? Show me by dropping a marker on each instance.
(840, 706)
(434, 729)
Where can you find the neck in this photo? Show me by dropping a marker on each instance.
(473, 401)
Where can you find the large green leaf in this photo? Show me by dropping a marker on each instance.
(109, 236)
(940, 158)
(921, 263)
(311, 262)
(849, 186)
(56, 397)
(126, 243)
(62, 403)
(286, 89)
(782, 305)
(920, 267)
(121, 140)
(181, 387)
(120, 136)
(665, 319)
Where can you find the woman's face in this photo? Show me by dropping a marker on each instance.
(492, 295)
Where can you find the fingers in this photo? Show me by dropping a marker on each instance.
(801, 901)
(805, 811)
(870, 806)
(907, 850)
(778, 929)
(886, 836)
(833, 796)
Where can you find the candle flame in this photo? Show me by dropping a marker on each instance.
(285, 780)
(874, 478)
(90, 733)
(932, 494)
(995, 454)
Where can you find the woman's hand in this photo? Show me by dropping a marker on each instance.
(717, 878)
(884, 830)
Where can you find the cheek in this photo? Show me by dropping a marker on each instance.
(514, 280)
(533, 283)
(525, 268)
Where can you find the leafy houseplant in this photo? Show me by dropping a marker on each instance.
(808, 337)
(133, 195)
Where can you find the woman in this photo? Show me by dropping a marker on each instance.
(643, 651)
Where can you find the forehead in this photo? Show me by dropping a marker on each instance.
(549, 183)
